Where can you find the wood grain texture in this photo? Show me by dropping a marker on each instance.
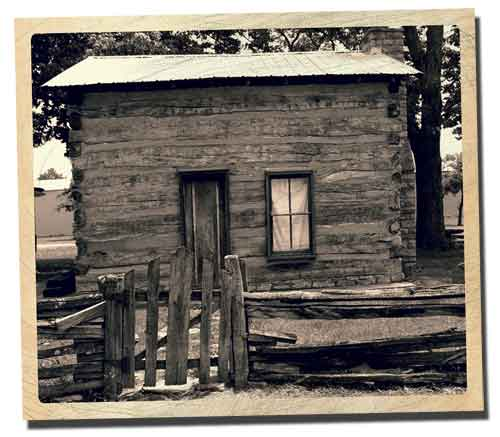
(112, 288)
(225, 329)
(128, 374)
(238, 322)
(130, 192)
(152, 323)
(206, 314)
(178, 320)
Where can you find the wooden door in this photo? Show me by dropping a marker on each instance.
(204, 213)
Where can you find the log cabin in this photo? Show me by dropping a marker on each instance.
(297, 162)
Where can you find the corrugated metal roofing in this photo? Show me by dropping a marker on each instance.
(99, 70)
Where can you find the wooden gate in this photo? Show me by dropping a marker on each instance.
(232, 360)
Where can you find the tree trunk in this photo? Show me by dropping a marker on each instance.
(425, 139)
(461, 208)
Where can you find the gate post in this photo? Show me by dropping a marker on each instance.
(128, 376)
(179, 301)
(235, 283)
(112, 287)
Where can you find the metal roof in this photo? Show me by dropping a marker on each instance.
(100, 70)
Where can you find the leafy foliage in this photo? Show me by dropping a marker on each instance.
(450, 84)
(51, 173)
(453, 173)
(453, 180)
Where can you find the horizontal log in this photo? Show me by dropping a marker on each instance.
(69, 369)
(51, 391)
(88, 358)
(394, 377)
(73, 302)
(338, 304)
(55, 351)
(445, 339)
(77, 332)
(77, 348)
(226, 99)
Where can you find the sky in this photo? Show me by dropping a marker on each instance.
(51, 154)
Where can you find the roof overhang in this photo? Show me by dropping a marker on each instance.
(211, 70)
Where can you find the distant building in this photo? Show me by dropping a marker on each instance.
(50, 220)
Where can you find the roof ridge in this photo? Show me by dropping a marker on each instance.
(354, 52)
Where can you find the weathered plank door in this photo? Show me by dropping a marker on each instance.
(204, 215)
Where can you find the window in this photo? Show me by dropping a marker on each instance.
(290, 233)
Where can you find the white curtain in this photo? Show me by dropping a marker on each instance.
(288, 199)
(281, 223)
(300, 203)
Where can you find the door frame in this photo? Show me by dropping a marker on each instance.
(220, 174)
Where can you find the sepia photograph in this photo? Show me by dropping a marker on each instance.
(248, 214)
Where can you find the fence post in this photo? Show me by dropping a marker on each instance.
(225, 333)
(111, 287)
(128, 376)
(178, 317)
(152, 323)
(239, 324)
(206, 313)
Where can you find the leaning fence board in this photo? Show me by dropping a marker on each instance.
(262, 337)
(178, 317)
(128, 373)
(238, 321)
(206, 312)
(90, 313)
(151, 351)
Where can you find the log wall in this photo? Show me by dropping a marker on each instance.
(127, 147)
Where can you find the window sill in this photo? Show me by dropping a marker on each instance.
(290, 259)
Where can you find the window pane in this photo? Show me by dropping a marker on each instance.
(299, 190)
(281, 233)
(300, 232)
(279, 195)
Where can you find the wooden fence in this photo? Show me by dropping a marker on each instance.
(88, 341)
(71, 345)
(435, 358)
(99, 332)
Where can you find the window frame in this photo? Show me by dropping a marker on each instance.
(293, 256)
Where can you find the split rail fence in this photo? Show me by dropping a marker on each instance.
(99, 331)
